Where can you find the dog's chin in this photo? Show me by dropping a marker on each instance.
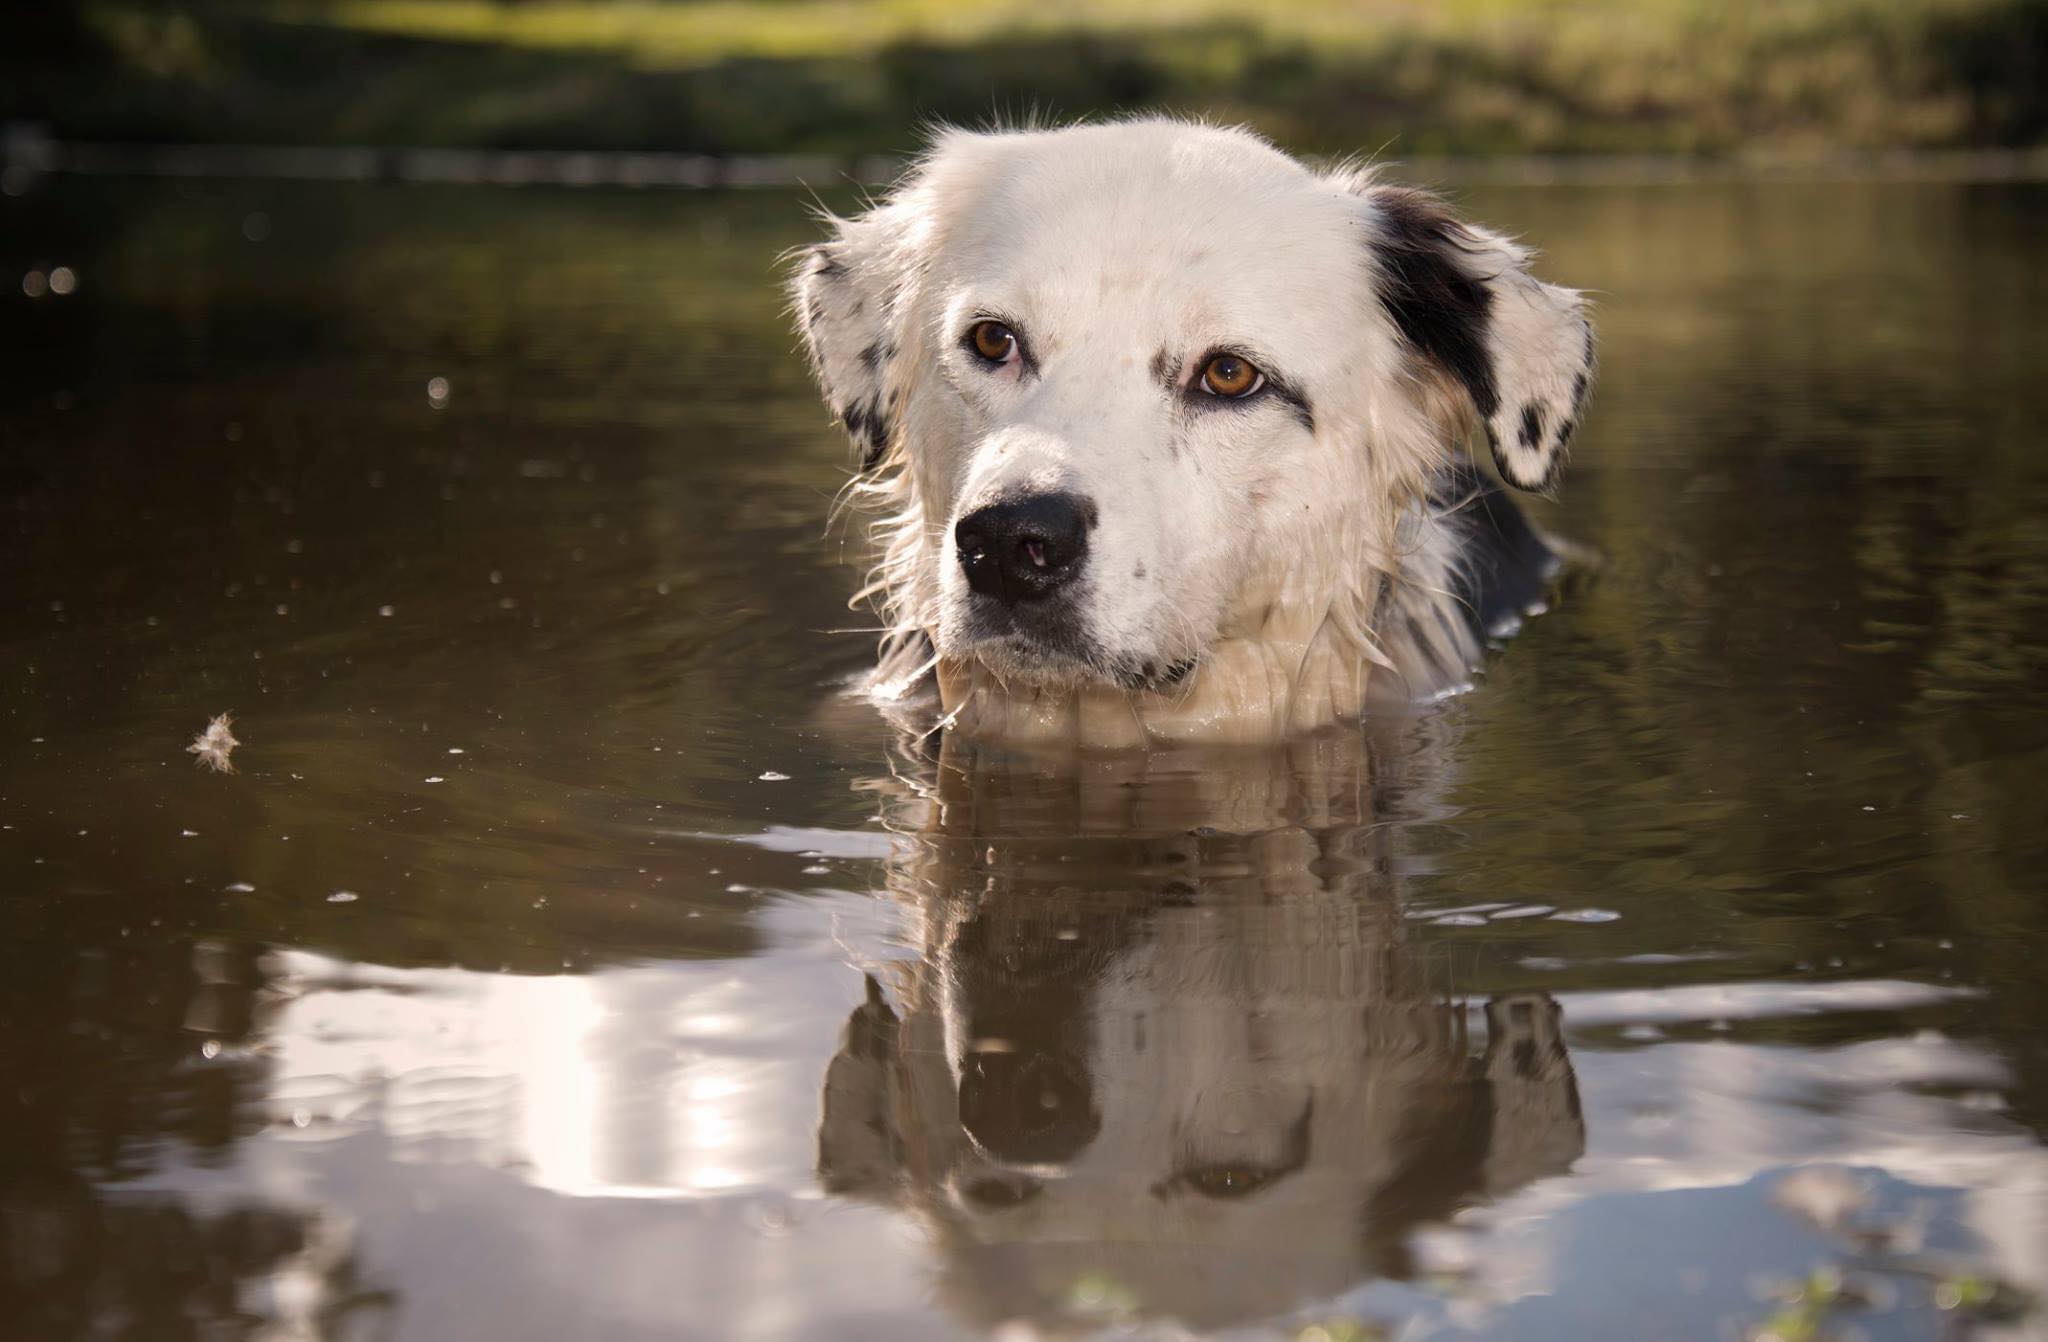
(1021, 659)
(1062, 659)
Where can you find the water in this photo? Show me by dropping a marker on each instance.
(1698, 949)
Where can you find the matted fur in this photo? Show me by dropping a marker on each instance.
(1257, 569)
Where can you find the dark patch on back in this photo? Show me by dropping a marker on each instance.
(1532, 425)
(1505, 566)
(1441, 312)
(871, 357)
(1578, 390)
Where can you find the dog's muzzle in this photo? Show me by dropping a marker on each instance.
(1026, 549)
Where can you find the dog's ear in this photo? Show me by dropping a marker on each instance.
(858, 1149)
(846, 293)
(1466, 307)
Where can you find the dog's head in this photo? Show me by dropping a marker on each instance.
(1134, 389)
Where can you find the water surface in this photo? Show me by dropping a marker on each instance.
(564, 958)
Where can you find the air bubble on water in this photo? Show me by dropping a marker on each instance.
(435, 778)
(188, 833)
(1525, 911)
(387, 611)
(773, 777)
(63, 280)
(302, 1118)
(210, 1049)
(455, 750)
(817, 869)
(343, 897)
(239, 888)
(437, 392)
(1585, 916)
(35, 284)
(496, 577)
(1067, 934)
(737, 889)
(1458, 920)
(1870, 808)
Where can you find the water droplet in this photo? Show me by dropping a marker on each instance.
(455, 750)
(239, 888)
(435, 778)
(387, 611)
(437, 392)
(63, 280)
(35, 284)
(1585, 916)
(817, 869)
(188, 833)
(210, 1049)
(773, 777)
(343, 897)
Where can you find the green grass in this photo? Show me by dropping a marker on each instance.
(1468, 76)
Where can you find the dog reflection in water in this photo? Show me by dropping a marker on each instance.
(1168, 1036)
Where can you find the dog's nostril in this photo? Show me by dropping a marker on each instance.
(1025, 549)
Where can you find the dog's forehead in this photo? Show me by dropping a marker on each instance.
(1183, 215)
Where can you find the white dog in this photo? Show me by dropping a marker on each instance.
(1166, 431)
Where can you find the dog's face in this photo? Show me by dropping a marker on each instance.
(1144, 388)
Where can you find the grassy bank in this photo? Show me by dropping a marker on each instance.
(751, 76)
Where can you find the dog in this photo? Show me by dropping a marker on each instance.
(1167, 1025)
(1166, 431)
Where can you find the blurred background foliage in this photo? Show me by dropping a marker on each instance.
(1794, 78)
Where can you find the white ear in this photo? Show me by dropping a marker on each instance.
(1464, 301)
(847, 293)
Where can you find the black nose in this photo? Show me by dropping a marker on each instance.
(1027, 549)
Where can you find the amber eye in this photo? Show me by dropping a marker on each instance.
(992, 341)
(1228, 375)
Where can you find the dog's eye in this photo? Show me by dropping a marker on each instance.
(1228, 376)
(993, 341)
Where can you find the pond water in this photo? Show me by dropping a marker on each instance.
(563, 957)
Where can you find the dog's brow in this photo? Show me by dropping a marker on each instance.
(1165, 368)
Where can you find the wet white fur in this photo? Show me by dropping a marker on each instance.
(1292, 566)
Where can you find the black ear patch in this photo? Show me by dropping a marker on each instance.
(1439, 309)
(1462, 299)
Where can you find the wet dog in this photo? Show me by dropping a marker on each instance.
(1166, 431)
